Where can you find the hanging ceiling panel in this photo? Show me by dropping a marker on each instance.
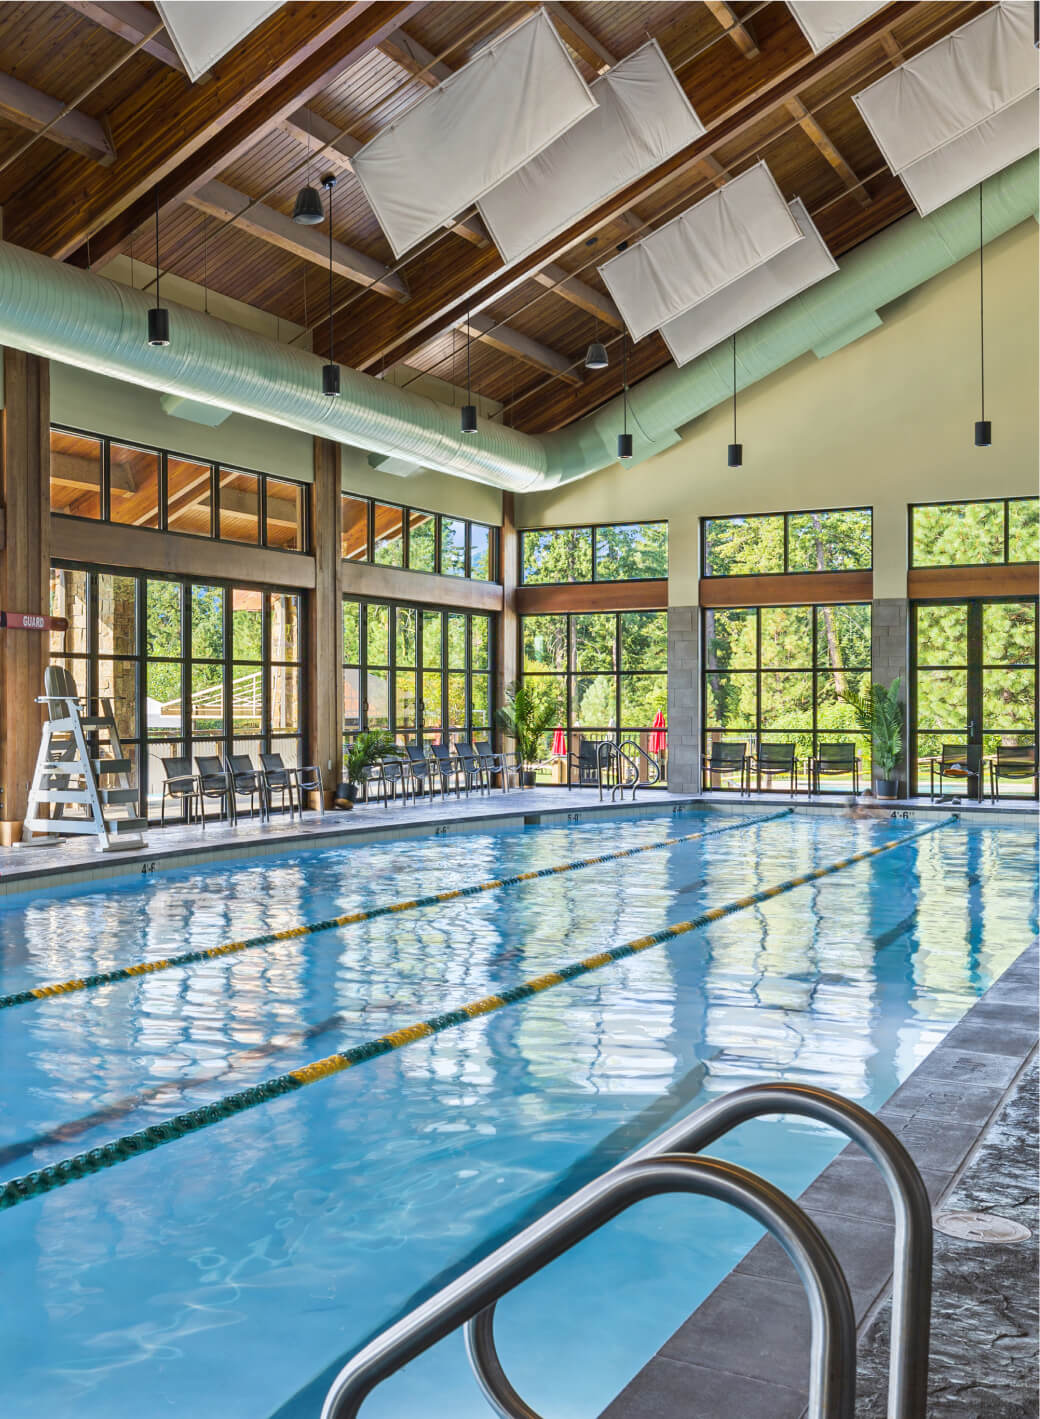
(961, 110)
(202, 34)
(472, 132)
(824, 21)
(701, 252)
(642, 117)
(768, 286)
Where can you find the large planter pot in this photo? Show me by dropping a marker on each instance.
(527, 778)
(886, 788)
(346, 795)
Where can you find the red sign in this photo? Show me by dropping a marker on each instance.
(26, 621)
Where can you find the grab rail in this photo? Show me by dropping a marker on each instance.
(610, 756)
(912, 1264)
(470, 1299)
(631, 744)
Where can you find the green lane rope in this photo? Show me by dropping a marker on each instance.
(231, 948)
(83, 1165)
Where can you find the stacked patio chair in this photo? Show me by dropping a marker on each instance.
(833, 760)
(1013, 761)
(502, 764)
(727, 758)
(471, 768)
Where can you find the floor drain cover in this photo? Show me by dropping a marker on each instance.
(981, 1227)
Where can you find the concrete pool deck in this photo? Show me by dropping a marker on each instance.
(745, 1350)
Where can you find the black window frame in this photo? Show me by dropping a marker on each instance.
(407, 510)
(967, 502)
(592, 528)
(786, 515)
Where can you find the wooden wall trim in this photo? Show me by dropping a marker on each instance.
(592, 596)
(172, 553)
(395, 584)
(793, 589)
(1019, 579)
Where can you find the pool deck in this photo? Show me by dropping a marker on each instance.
(968, 1117)
(77, 859)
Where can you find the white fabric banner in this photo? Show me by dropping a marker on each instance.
(700, 252)
(824, 21)
(643, 116)
(202, 34)
(768, 286)
(470, 133)
(939, 111)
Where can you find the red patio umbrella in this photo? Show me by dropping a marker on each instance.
(559, 744)
(657, 739)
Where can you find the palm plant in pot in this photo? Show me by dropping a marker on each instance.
(525, 717)
(879, 713)
(361, 753)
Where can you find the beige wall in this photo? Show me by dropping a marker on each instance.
(435, 492)
(886, 421)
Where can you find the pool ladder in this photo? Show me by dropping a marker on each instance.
(667, 1164)
(611, 762)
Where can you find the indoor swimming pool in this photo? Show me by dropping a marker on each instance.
(230, 1272)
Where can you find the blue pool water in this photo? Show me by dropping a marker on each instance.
(229, 1273)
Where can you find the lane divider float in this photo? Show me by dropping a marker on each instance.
(83, 1165)
(231, 948)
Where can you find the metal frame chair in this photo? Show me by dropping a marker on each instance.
(419, 771)
(774, 760)
(308, 779)
(445, 764)
(729, 756)
(471, 767)
(498, 764)
(959, 762)
(180, 783)
(247, 779)
(216, 782)
(829, 761)
(278, 779)
(586, 761)
(1012, 761)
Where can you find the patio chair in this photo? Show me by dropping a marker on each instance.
(833, 760)
(215, 782)
(419, 771)
(960, 762)
(1014, 761)
(727, 757)
(247, 780)
(774, 761)
(471, 769)
(181, 785)
(308, 779)
(446, 766)
(502, 764)
(587, 764)
(278, 779)
(395, 776)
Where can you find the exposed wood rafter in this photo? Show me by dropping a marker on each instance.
(28, 108)
(585, 297)
(584, 44)
(519, 347)
(415, 59)
(812, 130)
(739, 33)
(131, 22)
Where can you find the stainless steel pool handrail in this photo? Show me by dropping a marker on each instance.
(655, 766)
(611, 756)
(912, 1263)
(470, 1299)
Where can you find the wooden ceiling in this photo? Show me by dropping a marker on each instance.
(225, 158)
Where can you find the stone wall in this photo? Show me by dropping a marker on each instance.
(889, 655)
(684, 699)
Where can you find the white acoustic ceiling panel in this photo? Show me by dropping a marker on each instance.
(472, 132)
(824, 21)
(203, 33)
(791, 271)
(700, 252)
(642, 117)
(960, 110)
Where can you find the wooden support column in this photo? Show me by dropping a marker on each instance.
(507, 667)
(325, 622)
(25, 563)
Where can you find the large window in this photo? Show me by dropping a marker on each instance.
(392, 536)
(777, 674)
(105, 480)
(419, 673)
(771, 544)
(604, 673)
(988, 532)
(191, 667)
(624, 551)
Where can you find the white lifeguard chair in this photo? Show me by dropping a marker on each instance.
(73, 773)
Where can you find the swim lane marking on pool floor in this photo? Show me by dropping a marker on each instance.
(290, 933)
(83, 1165)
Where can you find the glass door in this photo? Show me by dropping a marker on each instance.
(974, 681)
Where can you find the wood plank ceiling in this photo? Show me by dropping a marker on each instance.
(121, 124)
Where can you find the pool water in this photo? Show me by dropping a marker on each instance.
(231, 1272)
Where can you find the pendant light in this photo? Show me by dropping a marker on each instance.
(596, 356)
(983, 427)
(468, 422)
(330, 372)
(624, 439)
(158, 319)
(308, 212)
(735, 452)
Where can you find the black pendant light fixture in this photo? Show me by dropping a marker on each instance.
(983, 427)
(624, 438)
(468, 422)
(308, 212)
(596, 356)
(330, 372)
(735, 452)
(158, 318)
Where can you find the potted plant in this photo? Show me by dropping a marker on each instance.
(525, 717)
(879, 713)
(367, 749)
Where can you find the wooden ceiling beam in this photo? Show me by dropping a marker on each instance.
(310, 243)
(584, 44)
(739, 33)
(415, 59)
(585, 297)
(172, 137)
(820, 141)
(131, 22)
(519, 347)
(26, 107)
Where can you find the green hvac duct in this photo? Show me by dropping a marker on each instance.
(65, 314)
